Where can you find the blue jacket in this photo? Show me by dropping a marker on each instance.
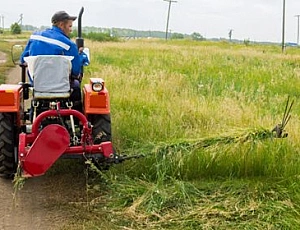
(52, 42)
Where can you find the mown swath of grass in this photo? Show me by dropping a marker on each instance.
(229, 204)
(199, 185)
(254, 135)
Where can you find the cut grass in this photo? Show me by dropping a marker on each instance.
(203, 204)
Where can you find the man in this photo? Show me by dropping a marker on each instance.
(56, 41)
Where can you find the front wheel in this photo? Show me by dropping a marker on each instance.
(8, 162)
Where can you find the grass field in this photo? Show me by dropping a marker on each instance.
(201, 113)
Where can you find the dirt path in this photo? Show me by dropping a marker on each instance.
(41, 204)
(2, 57)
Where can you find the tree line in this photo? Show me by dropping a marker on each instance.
(112, 34)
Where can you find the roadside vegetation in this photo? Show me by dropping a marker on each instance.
(202, 114)
(5, 48)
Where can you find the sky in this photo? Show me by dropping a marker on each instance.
(256, 20)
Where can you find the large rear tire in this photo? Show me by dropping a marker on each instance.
(101, 132)
(101, 128)
(8, 162)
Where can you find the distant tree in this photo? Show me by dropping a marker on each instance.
(100, 36)
(177, 36)
(197, 36)
(28, 28)
(15, 28)
(247, 42)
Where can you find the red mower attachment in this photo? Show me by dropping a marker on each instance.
(39, 150)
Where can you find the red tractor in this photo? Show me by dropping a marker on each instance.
(34, 139)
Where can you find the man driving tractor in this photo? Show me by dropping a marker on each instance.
(56, 41)
(34, 139)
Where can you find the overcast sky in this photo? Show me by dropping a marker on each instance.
(257, 20)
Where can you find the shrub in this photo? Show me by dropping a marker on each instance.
(15, 28)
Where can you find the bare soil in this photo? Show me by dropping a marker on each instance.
(2, 57)
(44, 202)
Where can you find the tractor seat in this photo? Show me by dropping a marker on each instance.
(50, 75)
(40, 95)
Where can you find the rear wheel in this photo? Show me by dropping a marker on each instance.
(101, 133)
(101, 128)
(8, 162)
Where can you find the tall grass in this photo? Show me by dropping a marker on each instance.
(161, 92)
(202, 113)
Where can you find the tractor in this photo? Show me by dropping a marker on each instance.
(33, 139)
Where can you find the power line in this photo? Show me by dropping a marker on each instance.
(168, 18)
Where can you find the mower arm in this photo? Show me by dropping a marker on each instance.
(121, 158)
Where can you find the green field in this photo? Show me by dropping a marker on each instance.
(201, 113)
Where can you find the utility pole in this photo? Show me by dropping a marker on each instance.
(283, 27)
(297, 28)
(167, 27)
(230, 34)
(2, 22)
(21, 19)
